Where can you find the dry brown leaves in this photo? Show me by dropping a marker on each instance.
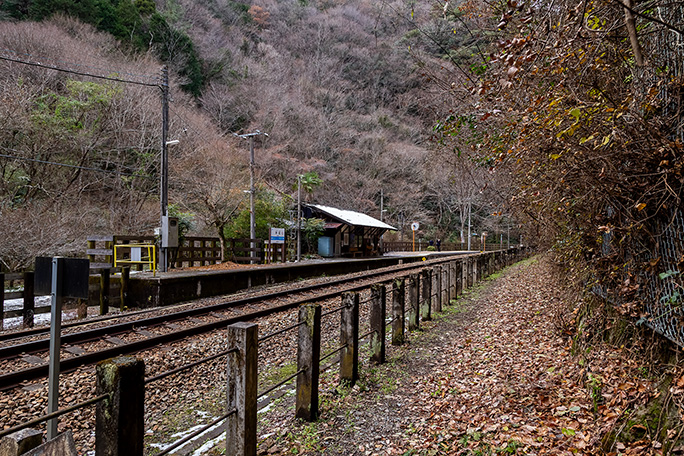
(493, 376)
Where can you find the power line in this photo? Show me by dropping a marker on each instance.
(66, 165)
(43, 58)
(80, 73)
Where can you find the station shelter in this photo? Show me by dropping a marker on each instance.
(347, 233)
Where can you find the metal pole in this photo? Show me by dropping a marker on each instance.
(164, 171)
(55, 345)
(299, 218)
(252, 227)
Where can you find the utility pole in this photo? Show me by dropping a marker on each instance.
(164, 170)
(299, 218)
(252, 222)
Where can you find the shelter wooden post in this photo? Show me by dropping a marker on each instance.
(377, 322)
(241, 428)
(349, 338)
(398, 308)
(446, 296)
(414, 302)
(308, 362)
(426, 289)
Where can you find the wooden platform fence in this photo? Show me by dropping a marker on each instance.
(412, 299)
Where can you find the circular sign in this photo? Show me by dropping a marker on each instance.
(415, 226)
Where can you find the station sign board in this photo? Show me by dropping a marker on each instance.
(277, 235)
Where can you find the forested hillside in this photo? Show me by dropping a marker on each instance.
(340, 87)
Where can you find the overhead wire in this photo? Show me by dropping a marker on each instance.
(80, 73)
(80, 65)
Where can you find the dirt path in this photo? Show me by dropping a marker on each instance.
(492, 375)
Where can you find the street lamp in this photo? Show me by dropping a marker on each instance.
(164, 201)
(252, 225)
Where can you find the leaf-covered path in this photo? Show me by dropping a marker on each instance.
(491, 375)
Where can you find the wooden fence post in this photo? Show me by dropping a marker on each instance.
(414, 302)
(241, 428)
(29, 301)
(120, 420)
(436, 289)
(426, 289)
(459, 278)
(125, 279)
(104, 291)
(308, 362)
(377, 323)
(398, 309)
(349, 337)
(445, 285)
(454, 280)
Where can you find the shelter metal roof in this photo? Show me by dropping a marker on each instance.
(352, 218)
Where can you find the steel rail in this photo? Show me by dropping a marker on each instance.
(13, 379)
(120, 328)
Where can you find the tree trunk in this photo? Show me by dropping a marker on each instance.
(630, 22)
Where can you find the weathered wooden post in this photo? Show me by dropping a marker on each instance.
(446, 291)
(104, 291)
(459, 278)
(20, 442)
(349, 338)
(377, 323)
(120, 420)
(426, 288)
(453, 280)
(241, 427)
(125, 280)
(29, 301)
(308, 362)
(414, 302)
(436, 289)
(398, 310)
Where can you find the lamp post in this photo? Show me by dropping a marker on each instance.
(252, 223)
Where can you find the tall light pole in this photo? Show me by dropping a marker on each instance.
(252, 223)
(164, 169)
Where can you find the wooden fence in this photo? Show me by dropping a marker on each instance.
(410, 300)
(194, 251)
(475, 245)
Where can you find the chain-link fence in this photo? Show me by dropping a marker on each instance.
(662, 280)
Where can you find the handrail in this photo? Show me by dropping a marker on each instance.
(151, 255)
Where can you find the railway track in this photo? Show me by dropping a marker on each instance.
(221, 314)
